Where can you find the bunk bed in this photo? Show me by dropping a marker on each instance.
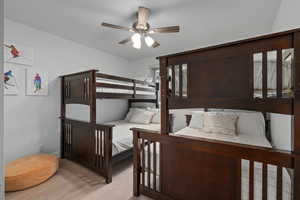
(100, 146)
(192, 166)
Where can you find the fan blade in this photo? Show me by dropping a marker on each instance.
(143, 16)
(116, 26)
(156, 44)
(169, 29)
(125, 41)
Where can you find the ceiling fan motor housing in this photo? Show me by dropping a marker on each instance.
(142, 18)
(141, 28)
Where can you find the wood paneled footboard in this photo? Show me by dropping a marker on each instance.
(180, 168)
(88, 144)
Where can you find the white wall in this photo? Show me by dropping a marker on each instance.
(1, 100)
(142, 66)
(288, 16)
(31, 123)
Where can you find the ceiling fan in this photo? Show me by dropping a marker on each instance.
(141, 29)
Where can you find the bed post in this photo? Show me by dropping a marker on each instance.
(136, 164)
(157, 95)
(296, 118)
(63, 115)
(93, 91)
(164, 96)
(108, 155)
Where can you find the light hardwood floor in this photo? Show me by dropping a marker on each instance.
(73, 182)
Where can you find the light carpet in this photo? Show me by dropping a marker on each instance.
(74, 182)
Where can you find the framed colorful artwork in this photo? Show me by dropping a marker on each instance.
(17, 54)
(11, 80)
(36, 82)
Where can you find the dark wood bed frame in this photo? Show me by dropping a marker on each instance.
(77, 137)
(218, 77)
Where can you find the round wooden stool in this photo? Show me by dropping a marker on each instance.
(29, 171)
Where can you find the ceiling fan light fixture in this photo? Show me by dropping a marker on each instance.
(141, 30)
(136, 40)
(149, 41)
(137, 45)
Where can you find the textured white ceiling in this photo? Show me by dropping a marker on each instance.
(202, 22)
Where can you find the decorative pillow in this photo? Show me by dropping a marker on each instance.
(220, 122)
(141, 116)
(197, 120)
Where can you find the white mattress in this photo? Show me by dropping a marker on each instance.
(113, 90)
(256, 140)
(122, 135)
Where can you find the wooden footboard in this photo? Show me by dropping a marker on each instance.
(194, 168)
(88, 144)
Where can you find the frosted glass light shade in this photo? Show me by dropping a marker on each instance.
(149, 41)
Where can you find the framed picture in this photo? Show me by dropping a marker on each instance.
(36, 82)
(17, 54)
(11, 80)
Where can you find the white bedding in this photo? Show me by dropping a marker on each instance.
(256, 140)
(112, 90)
(122, 135)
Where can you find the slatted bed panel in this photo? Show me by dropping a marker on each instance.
(147, 179)
(89, 145)
(146, 153)
(78, 88)
(178, 91)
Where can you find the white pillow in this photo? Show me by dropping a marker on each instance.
(220, 122)
(250, 122)
(141, 116)
(156, 116)
(130, 113)
(197, 120)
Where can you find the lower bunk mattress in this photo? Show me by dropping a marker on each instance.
(255, 140)
(123, 137)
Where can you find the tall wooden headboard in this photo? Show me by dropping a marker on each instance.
(222, 76)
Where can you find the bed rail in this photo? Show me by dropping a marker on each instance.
(196, 177)
(84, 87)
(89, 144)
(129, 88)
